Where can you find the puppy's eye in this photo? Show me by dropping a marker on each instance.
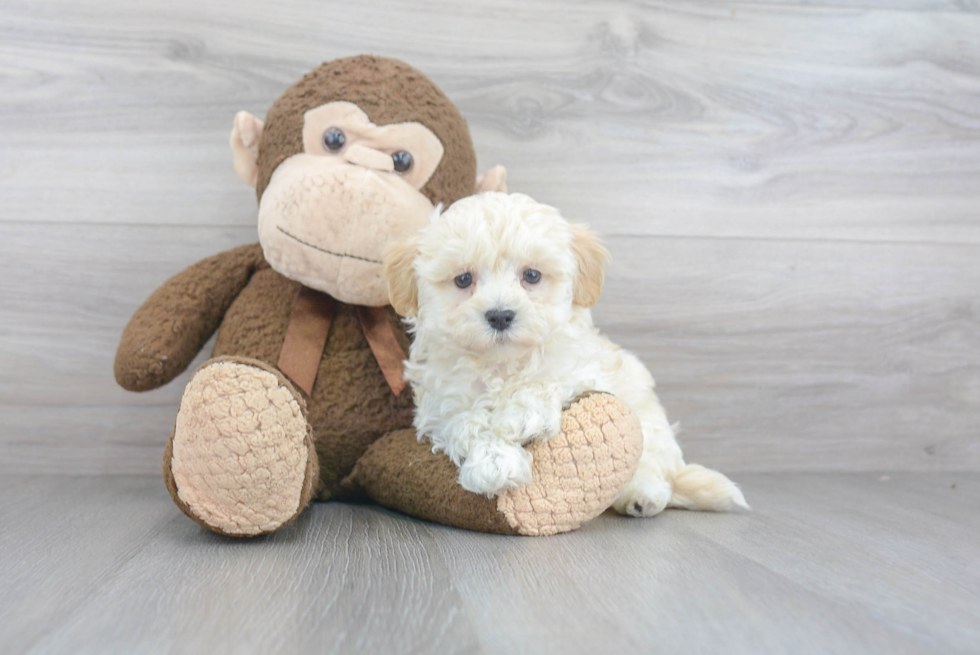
(532, 276)
(334, 139)
(402, 160)
(464, 280)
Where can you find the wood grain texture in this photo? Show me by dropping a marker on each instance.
(63, 538)
(826, 563)
(790, 189)
(772, 355)
(657, 118)
(970, 6)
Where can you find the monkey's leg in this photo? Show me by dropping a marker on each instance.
(576, 475)
(241, 459)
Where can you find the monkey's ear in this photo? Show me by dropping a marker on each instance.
(493, 180)
(399, 272)
(245, 136)
(591, 257)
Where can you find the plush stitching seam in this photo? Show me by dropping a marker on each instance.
(324, 250)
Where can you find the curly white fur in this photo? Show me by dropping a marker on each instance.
(481, 393)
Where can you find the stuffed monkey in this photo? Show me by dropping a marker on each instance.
(303, 397)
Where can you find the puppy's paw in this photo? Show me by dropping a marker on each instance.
(643, 497)
(524, 423)
(582, 387)
(542, 425)
(490, 468)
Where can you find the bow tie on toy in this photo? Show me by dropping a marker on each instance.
(306, 338)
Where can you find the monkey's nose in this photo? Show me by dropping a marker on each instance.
(369, 158)
(500, 319)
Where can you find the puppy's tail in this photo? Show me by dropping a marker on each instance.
(696, 487)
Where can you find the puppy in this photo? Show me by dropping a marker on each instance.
(497, 291)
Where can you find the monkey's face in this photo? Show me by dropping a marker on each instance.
(352, 157)
(329, 211)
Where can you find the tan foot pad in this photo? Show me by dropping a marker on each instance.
(240, 451)
(579, 473)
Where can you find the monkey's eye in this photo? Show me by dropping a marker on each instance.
(464, 280)
(403, 160)
(334, 139)
(532, 276)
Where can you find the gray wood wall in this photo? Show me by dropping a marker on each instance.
(791, 192)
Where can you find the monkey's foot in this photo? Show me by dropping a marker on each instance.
(241, 460)
(577, 474)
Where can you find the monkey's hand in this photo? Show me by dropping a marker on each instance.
(167, 332)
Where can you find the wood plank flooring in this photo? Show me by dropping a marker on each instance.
(825, 563)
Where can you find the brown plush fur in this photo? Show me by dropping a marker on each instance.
(389, 91)
(351, 405)
(175, 322)
(401, 473)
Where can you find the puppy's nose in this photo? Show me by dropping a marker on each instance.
(500, 319)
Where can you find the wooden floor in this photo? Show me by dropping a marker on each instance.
(825, 563)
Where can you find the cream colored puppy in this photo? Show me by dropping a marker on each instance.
(497, 291)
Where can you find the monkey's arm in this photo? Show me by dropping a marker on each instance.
(167, 332)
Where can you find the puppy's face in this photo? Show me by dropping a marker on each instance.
(495, 272)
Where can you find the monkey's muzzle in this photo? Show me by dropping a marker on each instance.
(326, 221)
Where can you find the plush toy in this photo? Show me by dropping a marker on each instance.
(304, 396)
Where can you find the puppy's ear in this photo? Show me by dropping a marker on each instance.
(591, 258)
(399, 272)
